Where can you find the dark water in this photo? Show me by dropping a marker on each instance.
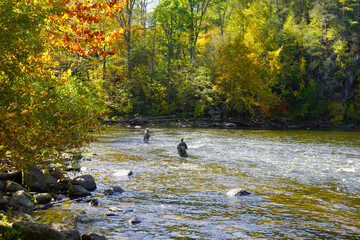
(304, 184)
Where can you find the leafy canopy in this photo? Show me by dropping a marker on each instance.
(44, 113)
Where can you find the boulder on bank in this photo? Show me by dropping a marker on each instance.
(70, 232)
(4, 203)
(92, 236)
(40, 231)
(52, 183)
(238, 192)
(11, 174)
(35, 180)
(86, 181)
(21, 199)
(11, 186)
(56, 173)
(42, 198)
(78, 191)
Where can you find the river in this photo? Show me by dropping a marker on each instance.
(304, 184)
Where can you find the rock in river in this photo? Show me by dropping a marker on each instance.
(78, 191)
(238, 192)
(92, 236)
(113, 190)
(123, 173)
(86, 181)
(134, 220)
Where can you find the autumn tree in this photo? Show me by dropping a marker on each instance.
(242, 81)
(45, 113)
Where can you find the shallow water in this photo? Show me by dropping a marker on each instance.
(304, 184)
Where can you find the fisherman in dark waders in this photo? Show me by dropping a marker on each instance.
(147, 135)
(182, 147)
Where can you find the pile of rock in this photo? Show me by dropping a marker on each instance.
(22, 193)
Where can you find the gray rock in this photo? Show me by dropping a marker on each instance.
(4, 203)
(113, 190)
(229, 125)
(70, 168)
(52, 183)
(38, 231)
(64, 184)
(35, 180)
(85, 158)
(123, 173)
(120, 210)
(22, 199)
(86, 181)
(11, 186)
(134, 220)
(78, 191)
(94, 202)
(92, 236)
(238, 192)
(70, 232)
(10, 175)
(60, 197)
(42, 198)
(117, 211)
(56, 173)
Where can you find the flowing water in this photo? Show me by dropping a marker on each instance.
(304, 184)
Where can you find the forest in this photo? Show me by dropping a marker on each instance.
(66, 64)
(249, 60)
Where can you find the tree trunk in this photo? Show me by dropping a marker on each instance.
(168, 80)
(104, 65)
(152, 70)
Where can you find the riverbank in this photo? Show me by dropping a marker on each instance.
(39, 188)
(280, 124)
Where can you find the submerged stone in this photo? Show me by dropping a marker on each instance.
(113, 190)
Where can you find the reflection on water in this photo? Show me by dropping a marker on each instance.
(305, 184)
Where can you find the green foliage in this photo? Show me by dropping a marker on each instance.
(352, 108)
(43, 113)
(6, 231)
(336, 113)
(353, 111)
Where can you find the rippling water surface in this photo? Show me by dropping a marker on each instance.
(304, 184)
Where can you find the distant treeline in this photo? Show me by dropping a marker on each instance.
(233, 58)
